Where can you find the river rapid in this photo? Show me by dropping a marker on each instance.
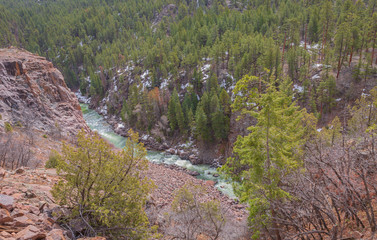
(97, 123)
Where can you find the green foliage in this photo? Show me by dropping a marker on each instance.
(8, 127)
(201, 130)
(173, 111)
(52, 160)
(269, 153)
(105, 187)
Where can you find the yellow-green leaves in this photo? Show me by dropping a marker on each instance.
(105, 186)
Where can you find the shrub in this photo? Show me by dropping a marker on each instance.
(196, 215)
(52, 160)
(105, 188)
(44, 136)
(8, 127)
(18, 124)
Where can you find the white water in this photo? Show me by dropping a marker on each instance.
(97, 123)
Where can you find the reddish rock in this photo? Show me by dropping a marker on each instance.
(92, 238)
(31, 87)
(210, 183)
(20, 171)
(5, 235)
(30, 233)
(56, 234)
(18, 213)
(5, 216)
(22, 221)
(6, 202)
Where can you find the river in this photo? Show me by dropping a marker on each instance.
(97, 123)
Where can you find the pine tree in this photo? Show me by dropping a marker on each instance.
(201, 128)
(269, 153)
(180, 117)
(172, 111)
(225, 101)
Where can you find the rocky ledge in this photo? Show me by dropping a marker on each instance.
(26, 205)
(33, 93)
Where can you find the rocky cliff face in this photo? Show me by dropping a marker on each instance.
(33, 92)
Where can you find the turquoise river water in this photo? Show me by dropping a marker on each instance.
(97, 123)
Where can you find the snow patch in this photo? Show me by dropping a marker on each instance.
(120, 126)
(298, 88)
(81, 98)
(145, 137)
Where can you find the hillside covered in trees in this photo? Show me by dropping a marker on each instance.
(282, 91)
(167, 68)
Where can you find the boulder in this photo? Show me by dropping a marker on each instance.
(56, 234)
(22, 221)
(5, 216)
(30, 194)
(193, 173)
(210, 183)
(6, 202)
(30, 233)
(5, 235)
(20, 171)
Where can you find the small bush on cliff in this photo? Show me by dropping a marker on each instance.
(8, 127)
(52, 160)
(105, 189)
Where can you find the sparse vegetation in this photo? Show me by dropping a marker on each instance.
(14, 151)
(8, 127)
(52, 160)
(196, 216)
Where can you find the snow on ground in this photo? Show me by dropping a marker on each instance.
(187, 145)
(298, 88)
(120, 126)
(145, 75)
(164, 83)
(82, 98)
(183, 87)
(145, 137)
(103, 110)
(316, 77)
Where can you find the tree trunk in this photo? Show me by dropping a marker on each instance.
(340, 58)
(282, 56)
(373, 45)
(349, 64)
(324, 41)
(306, 33)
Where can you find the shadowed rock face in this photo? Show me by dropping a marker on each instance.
(34, 93)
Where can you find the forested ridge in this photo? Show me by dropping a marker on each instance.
(288, 85)
(199, 48)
